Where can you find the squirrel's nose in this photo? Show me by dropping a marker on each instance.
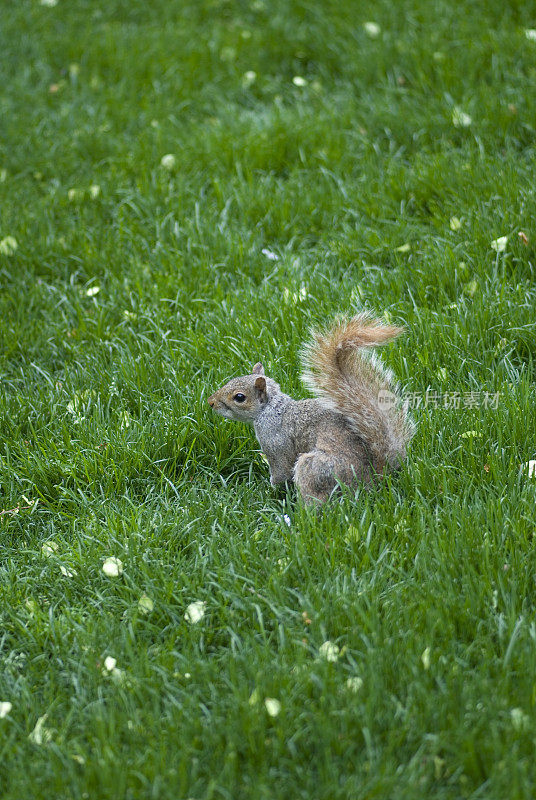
(211, 402)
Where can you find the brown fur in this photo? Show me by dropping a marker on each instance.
(350, 380)
(345, 435)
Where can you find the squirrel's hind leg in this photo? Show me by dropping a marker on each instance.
(315, 476)
(319, 473)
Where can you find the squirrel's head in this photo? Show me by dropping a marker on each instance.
(243, 398)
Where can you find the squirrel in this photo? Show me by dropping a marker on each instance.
(354, 429)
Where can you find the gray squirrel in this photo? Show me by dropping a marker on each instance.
(353, 430)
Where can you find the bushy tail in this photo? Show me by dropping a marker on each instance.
(341, 373)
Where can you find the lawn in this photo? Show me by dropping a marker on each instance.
(186, 186)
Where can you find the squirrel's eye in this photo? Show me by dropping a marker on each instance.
(239, 397)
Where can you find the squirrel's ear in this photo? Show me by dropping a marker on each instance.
(260, 386)
(258, 369)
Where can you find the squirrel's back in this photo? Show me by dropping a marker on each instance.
(343, 373)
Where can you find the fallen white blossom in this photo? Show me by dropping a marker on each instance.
(460, 119)
(112, 567)
(273, 706)
(329, 650)
(499, 245)
(168, 161)
(372, 29)
(195, 612)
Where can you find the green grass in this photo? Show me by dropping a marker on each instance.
(428, 585)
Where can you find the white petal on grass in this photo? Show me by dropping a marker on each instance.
(520, 720)
(94, 191)
(195, 612)
(404, 248)
(49, 3)
(48, 549)
(273, 706)
(354, 684)
(329, 650)
(92, 291)
(112, 567)
(499, 245)
(75, 194)
(425, 658)
(168, 161)
(460, 119)
(68, 573)
(372, 29)
(112, 670)
(286, 520)
(145, 604)
(110, 663)
(295, 297)
(249, 78)
(455, 224)
(8, 245)
(529, 468)
(40, 734)
(530, 33)
(297, 80)
(5, 708)
(269, 254)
